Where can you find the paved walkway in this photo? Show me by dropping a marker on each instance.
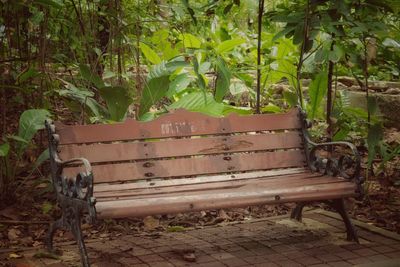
(277, 241)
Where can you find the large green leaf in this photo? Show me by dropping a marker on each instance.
(205, 103)
(228, 45)
(153, 91)
(199, 102)
(30, 122)
(117, 100)
(166, 68)
(317, 91)
(189, 40)
(180, 83)
(84, 97)
(200, 78)
(150, 54)
(50, 3)
(89, 76)
(223, 80)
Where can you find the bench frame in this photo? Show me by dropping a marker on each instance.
(75, 196)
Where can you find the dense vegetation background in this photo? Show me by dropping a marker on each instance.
(98, 61)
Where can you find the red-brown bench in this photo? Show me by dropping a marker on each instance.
(186, 161)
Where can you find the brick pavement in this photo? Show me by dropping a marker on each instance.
(277, 241)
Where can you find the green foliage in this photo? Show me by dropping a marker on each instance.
(14, 147)
(223, 80)
(205, 103)
(149, 54)
(117, 99)
(317, 91)
(30, 122)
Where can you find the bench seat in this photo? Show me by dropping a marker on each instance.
(116, 201)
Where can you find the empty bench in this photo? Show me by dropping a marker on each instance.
(186, 161)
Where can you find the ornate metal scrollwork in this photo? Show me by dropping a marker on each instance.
(78, 189)
(346, 166)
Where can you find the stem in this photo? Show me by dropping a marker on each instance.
(329, 96)
(302, 51)
(138, 72)
(260, 14)
(365, 70)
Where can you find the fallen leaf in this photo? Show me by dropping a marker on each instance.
(45, 254)
(150, 223)
(14, 256)
(13, 234)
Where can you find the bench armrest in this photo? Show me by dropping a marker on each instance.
(83, 161)
(346, 166)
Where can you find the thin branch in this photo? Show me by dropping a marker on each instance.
(260, 14)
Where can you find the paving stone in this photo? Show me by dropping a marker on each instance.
(204, 258)
(384, 249)
(263, 243)
(266, 264)
(275, 257)
(106, 264)
(393, 255)
(328, 258)
(222, 256)
(379, 257)
(365, 252)
(347, 255)
(289, 263)
(150, 258)
(359, 260)
(308, 261)
(212, 264)
(255, 259)
(129, 261)
(161, 264)
(234, 262)
(340, 264)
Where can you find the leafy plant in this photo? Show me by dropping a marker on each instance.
(14, 147)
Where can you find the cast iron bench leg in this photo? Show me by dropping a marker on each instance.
(297, 211)
(70, 220)
(339, 206)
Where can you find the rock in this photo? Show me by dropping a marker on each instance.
(393, 91)
(150, 223)
(187, 254)
(191, 257)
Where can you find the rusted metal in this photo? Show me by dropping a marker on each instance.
(97, 153)
(179, 123)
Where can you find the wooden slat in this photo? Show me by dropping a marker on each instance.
(176, 124)
(194, 166)
(270, 182)
(105, 187)
(224, 199)
(96, 153)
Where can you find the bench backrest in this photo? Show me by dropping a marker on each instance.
(184, 144)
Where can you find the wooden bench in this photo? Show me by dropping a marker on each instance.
(186, 161)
